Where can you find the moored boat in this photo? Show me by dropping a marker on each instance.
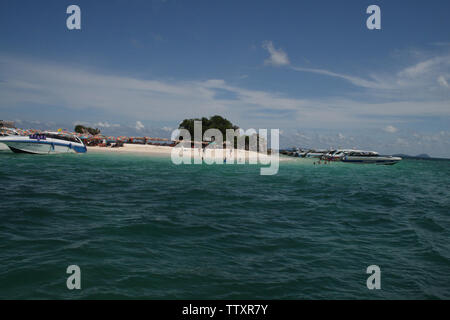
(44, 143)
(315, 154)
(359, 156)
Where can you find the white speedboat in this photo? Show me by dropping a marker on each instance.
(337, 155)
(299, 153)
(315, 154)
(44, 143)
(359, 156)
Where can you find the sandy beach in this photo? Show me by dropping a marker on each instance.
(196, 153)
(134, 148)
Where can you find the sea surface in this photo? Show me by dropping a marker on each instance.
(140, 227)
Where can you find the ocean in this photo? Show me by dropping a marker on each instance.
(140, 227)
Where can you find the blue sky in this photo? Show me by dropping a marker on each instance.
(310, 68)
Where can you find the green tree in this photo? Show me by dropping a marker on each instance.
(86, 130)
(214, 122)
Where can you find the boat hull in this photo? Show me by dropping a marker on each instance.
(44, 147)
(4, 147)
(372, 160)
(313, 155)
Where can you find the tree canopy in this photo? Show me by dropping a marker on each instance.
(86, 130)
(214, 122)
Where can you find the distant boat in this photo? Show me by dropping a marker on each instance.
(336, 155)
(315, 154)
(44, 143)
(360, 156)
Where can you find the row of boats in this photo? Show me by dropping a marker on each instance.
(41, 143)
(346, 155)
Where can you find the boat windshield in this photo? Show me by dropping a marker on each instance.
(62, 137)
(363, 154)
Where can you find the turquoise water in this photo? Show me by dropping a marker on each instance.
(141, 227)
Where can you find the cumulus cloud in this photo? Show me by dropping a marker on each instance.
(139, 126)
(277, 57)
(390, 129)
(102, 124)
(442, 81)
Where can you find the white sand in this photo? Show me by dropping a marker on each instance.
(133, 148)
(249, 156)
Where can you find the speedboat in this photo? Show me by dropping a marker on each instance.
(359, 156)
(299, 153)
(337, 155)
(5, 132)
(45, 143)
(315, 154)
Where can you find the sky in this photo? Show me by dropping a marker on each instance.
(309, 68)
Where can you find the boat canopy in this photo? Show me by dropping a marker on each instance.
(62, 136)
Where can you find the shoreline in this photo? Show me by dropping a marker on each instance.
(165, 150)
(133, 148)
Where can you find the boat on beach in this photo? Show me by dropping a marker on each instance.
(44, 143)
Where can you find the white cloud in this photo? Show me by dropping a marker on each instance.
(415, 80)
(424, 67)
(43, 83)
(360, 82)
(102, 124)
(139, 126)
(442, 81)
(390, 129)
(277, 57)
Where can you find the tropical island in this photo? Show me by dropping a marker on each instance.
(96, 142)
